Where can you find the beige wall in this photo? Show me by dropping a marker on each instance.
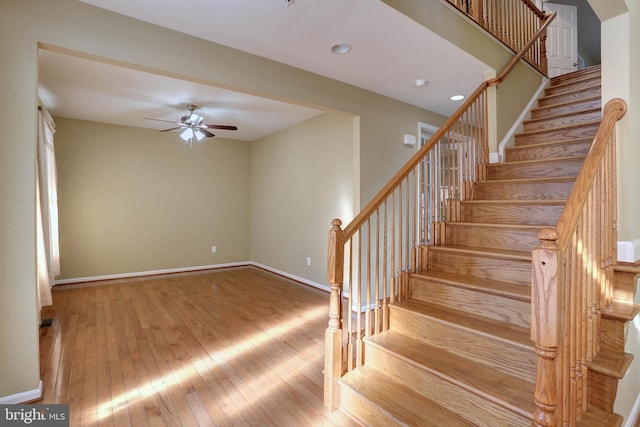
(135, 200)
(78, 28)
(514, 94)
(301, 178)
(620, 33)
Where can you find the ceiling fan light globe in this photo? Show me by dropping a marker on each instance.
(199, 135)
(187, 134)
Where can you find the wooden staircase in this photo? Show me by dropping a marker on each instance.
(458, 351)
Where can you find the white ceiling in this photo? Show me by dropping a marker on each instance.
(390, 51)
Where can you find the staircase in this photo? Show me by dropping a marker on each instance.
(458, 351)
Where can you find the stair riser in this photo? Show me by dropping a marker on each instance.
(512, 214)
(364, 410)
(572, 86)
(468, 405)
(539, 152)
(587, 104)
(522, 190)
(577, 75)
(569, 120)
(613, 334)
(570, 96)
(557, 135)
(479, 303)
(537, 169)
(602, 391)
(491, 237)
(505, 270)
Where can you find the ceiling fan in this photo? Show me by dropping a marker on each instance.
(193, 126)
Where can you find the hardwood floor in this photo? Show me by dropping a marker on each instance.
(224, 348)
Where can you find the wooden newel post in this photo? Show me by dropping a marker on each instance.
(543, 52)
(546, 325)
(333, 333)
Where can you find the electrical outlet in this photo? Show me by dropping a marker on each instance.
(214, 249)
(308, 260)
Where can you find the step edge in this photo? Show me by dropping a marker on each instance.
(564, 104)
(616, 369)
(539, 131)
(519, 296)
(525, 344)
(560, 116)
(533, 161)
(549, 144)
(457, 381)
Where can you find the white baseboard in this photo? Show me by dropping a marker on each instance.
(25, 396)
(150, 273)
(291, 276)
(629, 251)
(634, 415)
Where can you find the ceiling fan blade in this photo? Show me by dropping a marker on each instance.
(206, 132)
(167, 130)
(219, 127)
(166, 121)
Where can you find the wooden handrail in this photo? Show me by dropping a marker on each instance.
(360, 219)
(514, 61)
(378, 249)
(366, 212)
(613, 111)
(571, 281)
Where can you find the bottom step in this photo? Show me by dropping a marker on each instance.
(376, 400)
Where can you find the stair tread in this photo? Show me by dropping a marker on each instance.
(548, 144)
(573, 91)
(611, 363)
(585, 72)
(501, 388)
(509, 333)
(490, 286)
(563, 127)
(596, 417)
(529, 180)
(534, 161)
(575, 112)
(562, 104)
(477, 250)
(401, 403)
(495, 225)
(621, 311)
(517, 202)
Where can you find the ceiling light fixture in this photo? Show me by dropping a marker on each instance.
(420, 83)
(188, 134)
(341, 48)
(457, 97)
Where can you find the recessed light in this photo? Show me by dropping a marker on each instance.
(457, 97)
(341, 48)
(420, 83)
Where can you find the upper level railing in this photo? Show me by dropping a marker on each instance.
(374, 254)
(513, 22)
(572, 281)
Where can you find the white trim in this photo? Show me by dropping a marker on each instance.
(634, 415)
(22, 397)
(149, 273)
(514, 128)
(494, 157)
(629, 251)
(291, 276)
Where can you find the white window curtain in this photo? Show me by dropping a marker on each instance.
(47, 204)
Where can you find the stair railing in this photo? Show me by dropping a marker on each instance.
(513, 22)
(572, 281)
(373, 255)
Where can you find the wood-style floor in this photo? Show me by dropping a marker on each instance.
(224, 348)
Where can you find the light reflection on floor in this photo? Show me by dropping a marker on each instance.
(258, 386)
